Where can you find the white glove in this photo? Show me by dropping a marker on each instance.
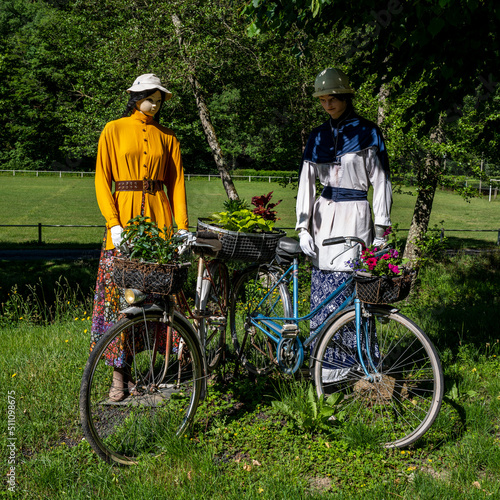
(307, 244)
(379, 239)
(378, 242)
(116, 236)
(186, 235)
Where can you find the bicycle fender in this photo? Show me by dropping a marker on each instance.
(133, 310)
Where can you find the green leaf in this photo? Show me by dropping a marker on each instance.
(435, 26)
(334, 399)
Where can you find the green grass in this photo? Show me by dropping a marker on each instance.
(242, 447)
(71, 200)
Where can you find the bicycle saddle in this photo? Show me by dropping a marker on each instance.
(287, 249)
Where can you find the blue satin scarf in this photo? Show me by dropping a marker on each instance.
(348, 134)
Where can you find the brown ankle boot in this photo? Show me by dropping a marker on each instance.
(119, 387)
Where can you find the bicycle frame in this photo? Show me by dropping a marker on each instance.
(195, 314)
(277, 332)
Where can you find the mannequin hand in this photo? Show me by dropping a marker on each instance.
(186, 235)
(116, 236)
(380, 236)
(307, 244)
(379, 242)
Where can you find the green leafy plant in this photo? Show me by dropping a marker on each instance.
(311, 413)
(149, 243)
(237, 217)
(244, 221)
(234, 205)
(432, 245)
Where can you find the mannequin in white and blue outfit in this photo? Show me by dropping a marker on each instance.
(347, 154)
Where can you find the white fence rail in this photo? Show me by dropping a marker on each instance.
(210, 177)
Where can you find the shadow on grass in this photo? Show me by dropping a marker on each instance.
(35, 245)
(45, 276)
(458, 301)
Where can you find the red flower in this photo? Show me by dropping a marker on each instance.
(264, 208)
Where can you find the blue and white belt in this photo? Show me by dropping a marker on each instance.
(343, 194)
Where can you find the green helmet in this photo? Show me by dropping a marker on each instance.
(332, 81)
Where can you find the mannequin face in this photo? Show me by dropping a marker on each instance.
(150, 105)
(333, 106)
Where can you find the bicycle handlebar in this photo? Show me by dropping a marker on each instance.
(342, 239)
(206, 235)
(202, 241)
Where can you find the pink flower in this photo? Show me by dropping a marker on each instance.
(387, 231)
(371, 263)
(386, 256)
(394, 268)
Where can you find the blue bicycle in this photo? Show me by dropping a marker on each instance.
(376, 366)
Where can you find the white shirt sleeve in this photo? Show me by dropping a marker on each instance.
(306, 195)
(382, 193)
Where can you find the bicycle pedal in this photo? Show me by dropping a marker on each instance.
(289, 331)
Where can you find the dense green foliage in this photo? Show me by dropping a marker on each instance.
(149, 243)
(64, 66)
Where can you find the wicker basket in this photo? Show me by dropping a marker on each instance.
(250, 247)
(149, 277)
(384, 289)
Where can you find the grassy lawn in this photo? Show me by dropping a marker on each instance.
(241, 447)
(71, 200)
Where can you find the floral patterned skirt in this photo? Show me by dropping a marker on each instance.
(108, 302)
(323, 283)
(342, 356)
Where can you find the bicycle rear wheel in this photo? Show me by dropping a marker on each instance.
(256, 350)
(213, 309)
(164, 365)
(400, 398)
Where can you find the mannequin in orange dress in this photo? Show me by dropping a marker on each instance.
(141, 157)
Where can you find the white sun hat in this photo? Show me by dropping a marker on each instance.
(149, 81)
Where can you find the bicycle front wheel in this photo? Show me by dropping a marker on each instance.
(164, 368)
(398, 394)
(257, 291)
(213, 310)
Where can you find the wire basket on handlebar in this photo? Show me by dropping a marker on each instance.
(149, 277)
(384, 289)
(249, 247)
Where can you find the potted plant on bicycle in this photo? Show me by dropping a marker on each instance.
(150, 260)
(246, 234)
(381, 274)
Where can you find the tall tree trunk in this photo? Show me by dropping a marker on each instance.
(422, 210)
(427, 183)
(383, 94)
(206, 122)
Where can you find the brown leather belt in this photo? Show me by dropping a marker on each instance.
(146, 186)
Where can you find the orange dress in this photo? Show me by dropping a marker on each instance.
(132, 148)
